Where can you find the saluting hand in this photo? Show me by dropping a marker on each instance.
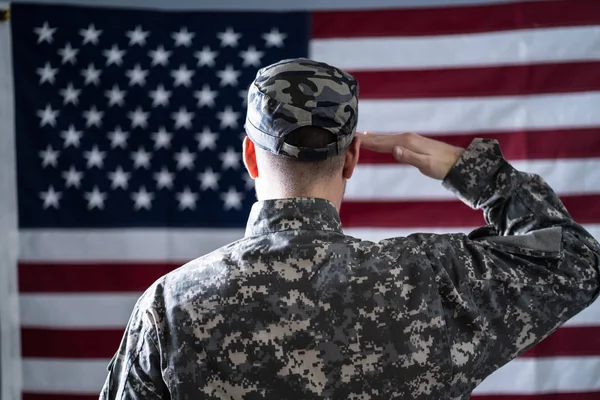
(432, 157)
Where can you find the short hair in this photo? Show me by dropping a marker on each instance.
(297, 175)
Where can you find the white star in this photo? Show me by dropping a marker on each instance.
(45, 33)
(229, 37)
(114, 55)
(183, 118)
(71, 137)
(182, 76)
(206, 139)
(232, 199)
(48, 116)
(209, 179)
(72, 177)
(95, 158)
(119, 178)
(159, 56)
(141, 158)
(230, 159)
(49, 157)
(244, 96)
(162, 138)
(251, 57)
(164, 179)
(90, 35)
(183, 37)
(228, 118)
(185, 159)
(137, 36)
(93, 117)
(91, 74)
(206, 57)
(137, 75)
(68, 54)
(160, 96)
(70, 94)
(138, 118)
(47, 74)
(187, 199)
(95, 198)
(206, 97)
(115, 96)
(228, 76)
(274, 38)
(51, 198)
(118, 138)
(142, 199)
(249, 181)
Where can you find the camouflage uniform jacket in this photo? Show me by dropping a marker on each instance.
(298, 310)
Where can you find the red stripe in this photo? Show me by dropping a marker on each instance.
(569, 342)
(486, 81)
(454, 20)
(59, 396)
(521, 145)
(538, 396)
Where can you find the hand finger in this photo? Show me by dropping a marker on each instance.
(406, 156)
(377, 142)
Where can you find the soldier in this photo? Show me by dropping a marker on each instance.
(298, 310)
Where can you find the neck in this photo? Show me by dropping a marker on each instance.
(270, 192)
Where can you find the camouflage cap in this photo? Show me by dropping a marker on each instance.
(300, 92)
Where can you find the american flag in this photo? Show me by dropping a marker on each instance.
(128, 129)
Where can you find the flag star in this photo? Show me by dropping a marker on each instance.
(185, 159)
(206, 97)
(71, 137)
(164, 179)
(228, 118)
(138, 118)
(274, 38)
(93, 117)
(162, 138)
(115, 96)
(142, 199)
(72, 177)
(47, 74)
(187, 199)
(141, 158)
(70, 95)
(49, 156)
(230, 159)
(90, 35)
(45, 33)
(183, 118)
(91, 74)
(209, 179)
(160, 96)
(118, 138)
(95, 157)
(95, 198)
(51, 197)
(206, 57)
(183, 37)
(249, 181)
(137, 75)
(159, 56)
(229, 37)
(251, 57)
(114, 55)
(48, 116)
(137, 36)
(206, 139)
(119, 178)
(232, 199)
(228, 76)
(182, 76)
(68, 54)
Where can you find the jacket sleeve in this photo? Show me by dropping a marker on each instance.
(507, 286)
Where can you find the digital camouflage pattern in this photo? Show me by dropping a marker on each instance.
(298, 310)
(300, 92)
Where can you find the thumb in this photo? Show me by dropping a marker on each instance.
(397, 153)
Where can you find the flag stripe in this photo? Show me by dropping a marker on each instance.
(465, 19)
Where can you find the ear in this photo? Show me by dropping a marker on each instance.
(352, 154)
(249, 155)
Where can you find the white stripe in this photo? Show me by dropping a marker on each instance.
(479, 49)
(564, 374)
(477, 114)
